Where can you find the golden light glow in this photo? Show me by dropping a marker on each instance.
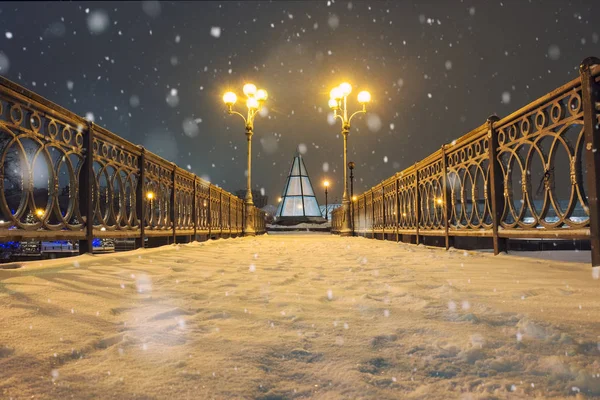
(404, 214)
(346, 88)
(39, 212)
(149, 195)
(333, 104)
(229, 98)
(279, 200)
(364, 97)
(439, 201)
(249, 89)
(326, 183)
(252, 103)
(261, 95)
(336, 93)
(354, 198)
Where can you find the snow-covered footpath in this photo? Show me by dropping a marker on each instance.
(299, 316)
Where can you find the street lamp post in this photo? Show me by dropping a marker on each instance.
(254, 101)
(338, 103)
(351, 165)
(326, 184)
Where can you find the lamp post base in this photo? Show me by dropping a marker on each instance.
(346, 230)
(249, 219)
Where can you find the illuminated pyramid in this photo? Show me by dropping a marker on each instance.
(298, 202)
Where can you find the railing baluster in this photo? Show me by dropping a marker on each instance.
(140, 199)
(86, 191)
(195, 209)
(590, 91)
(396, 208)
(417, 204)
(449, 239)
(496, 186)
(173, 211)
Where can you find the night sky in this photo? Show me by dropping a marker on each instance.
(154, 73)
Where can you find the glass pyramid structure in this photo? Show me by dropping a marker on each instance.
(298, 202)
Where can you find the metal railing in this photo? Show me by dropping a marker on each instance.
(532, 174)
(67, 178)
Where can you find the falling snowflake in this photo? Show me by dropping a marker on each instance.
(333, 21)
(98, 21)
(215, 31)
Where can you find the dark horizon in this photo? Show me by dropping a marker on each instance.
(154, 74)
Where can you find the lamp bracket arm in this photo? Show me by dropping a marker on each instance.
(357, 112)
(237, 113)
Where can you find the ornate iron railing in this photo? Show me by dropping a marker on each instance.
(532, 174)
(53, 187)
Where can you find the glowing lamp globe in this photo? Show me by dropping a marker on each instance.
(336, 93)
(326, 183)
(39, 212)
(150, 195)
(364, 97)
(333, 104)
(229, 98)
(249, 89)
(252, 103)
(261, 95)
(346, 88)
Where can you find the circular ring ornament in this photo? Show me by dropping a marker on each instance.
(540, 120)
(511, 132)
(79, 139)
(66, 135)
(556, 112)
(525, 127)
(16, 114)
(501, 137)
(574, 104)
(35, 122)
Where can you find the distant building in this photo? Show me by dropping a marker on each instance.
(259, 200)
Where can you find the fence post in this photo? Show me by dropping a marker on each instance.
(372, 215)
(449, 240)
(590, 92)
(209, 211)
(221, 212)
(86, 191)
(229, 214)
(173, 214)
(396, 208)
(382, 211)
(496, 185)
(417, 204)
(195, 210)
(140, 200)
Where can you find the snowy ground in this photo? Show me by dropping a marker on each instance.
(299, 316)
